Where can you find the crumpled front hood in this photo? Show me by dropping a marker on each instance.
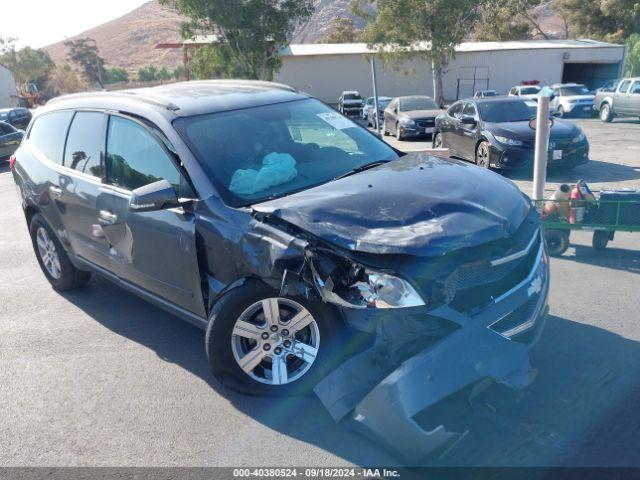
(416, 205)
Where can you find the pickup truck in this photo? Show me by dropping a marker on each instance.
(620, 101)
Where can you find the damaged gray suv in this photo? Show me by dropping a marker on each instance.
(315, 256)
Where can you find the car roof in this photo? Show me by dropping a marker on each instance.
(493, 99)
(183, 98)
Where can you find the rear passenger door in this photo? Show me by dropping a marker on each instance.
(634, 99)
(78, 185)
(155, 251)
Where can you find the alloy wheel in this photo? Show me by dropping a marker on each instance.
(604, 112)
(437, 141)
(275, 341)
(482, 156)
(48, 253)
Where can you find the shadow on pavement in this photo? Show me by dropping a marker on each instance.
(593, 171)
(580, 410)
(611, 257)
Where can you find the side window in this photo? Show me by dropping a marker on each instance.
(135, 158)
(48, 134)
(469, 110)
(635, 89)
(455, 110)
(85, 143)
(6, 129)
(624, 86)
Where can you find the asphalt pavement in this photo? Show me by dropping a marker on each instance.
(98, 377)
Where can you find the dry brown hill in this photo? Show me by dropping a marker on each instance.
(129, 41)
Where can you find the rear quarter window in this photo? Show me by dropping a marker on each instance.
(48, 134)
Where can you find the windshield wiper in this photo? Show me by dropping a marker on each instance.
(361, 168)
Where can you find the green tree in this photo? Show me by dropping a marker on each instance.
(610, 20)
(249, 31)
(28, 65)
(343, 30)
(164, 74)
(84, 53)
(504, 20)
(116, 75)
(402, 25)
(178, 73)
(632, 67)
(64, 79)
(148, 73)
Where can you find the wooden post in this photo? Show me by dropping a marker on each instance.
(185, 62)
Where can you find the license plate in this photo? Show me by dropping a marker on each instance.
(429, 130)
(587, 109)
(557, 155)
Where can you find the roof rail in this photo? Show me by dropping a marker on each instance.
(122, 93)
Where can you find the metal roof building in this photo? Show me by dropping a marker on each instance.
(325, 70)
(8, 93)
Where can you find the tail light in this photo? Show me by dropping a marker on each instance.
(12, 161)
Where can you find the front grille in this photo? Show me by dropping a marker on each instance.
(475, 285)
(518, 317)
(426, 122)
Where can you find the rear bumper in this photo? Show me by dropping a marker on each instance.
(488, 346)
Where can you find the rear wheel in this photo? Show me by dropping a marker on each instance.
(482, 155)
(263, 344)
(53, 259)
(600, 239)
(605, 113)
(557, 242)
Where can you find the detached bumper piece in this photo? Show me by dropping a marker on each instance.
(381, 390)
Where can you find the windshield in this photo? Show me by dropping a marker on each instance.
(352, 96)
(509, 111)
(265, 152)
(417, 103)
(529, 90)
(576, 90)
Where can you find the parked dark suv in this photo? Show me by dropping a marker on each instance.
(314, 255)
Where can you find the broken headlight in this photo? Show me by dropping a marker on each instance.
(382, 290)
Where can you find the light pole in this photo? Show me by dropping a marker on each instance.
(375, 92)
(543, 127)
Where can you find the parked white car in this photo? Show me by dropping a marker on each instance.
(525, 91)
(572, 99)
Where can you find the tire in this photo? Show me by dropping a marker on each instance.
(384, 130)
(557, 242)
(605, 113)
(600, 239)
(561, 112)
(226, 350)
(398, 133)
(483, 155)
(437, 141)
(53, 259)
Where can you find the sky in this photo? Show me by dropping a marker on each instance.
(38, 23)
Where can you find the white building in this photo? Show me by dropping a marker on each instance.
(325, 70)
(8, 92)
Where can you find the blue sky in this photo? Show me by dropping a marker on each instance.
(38, 23)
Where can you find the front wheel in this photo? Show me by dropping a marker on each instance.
(398, 133)
(600, 239)
(437, 140)
(561, 112)
(263, 344)
(482, 155)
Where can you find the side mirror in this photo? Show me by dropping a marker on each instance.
(470, 121)
(155, 196)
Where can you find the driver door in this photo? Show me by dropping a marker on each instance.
(155, 251)
(390, 115)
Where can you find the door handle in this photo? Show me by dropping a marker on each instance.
(56, 192)
(106, 217)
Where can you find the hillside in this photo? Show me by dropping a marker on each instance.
(129, 41)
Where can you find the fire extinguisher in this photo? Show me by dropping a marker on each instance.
(576, 214)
